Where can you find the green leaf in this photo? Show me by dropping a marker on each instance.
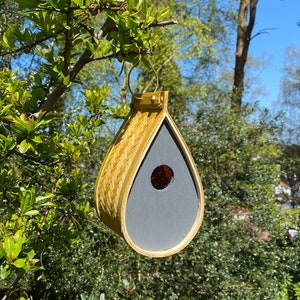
(27, 201)
(130, 4)
(78, 2)
(30, 254)
(37, 139)
(5, 109)
(7, 143)
(162, 13)
(87, 207)
(58, 4)
(45, 121)
(8, 40)
(4, 271)
(32, 213)
(24, 146)
(18, 235)
(144, 9)
(18, 245)
(20, 126)
(20, 263)
(46, 196)
(28, 4)
(27, 36)
(146, 62)
(105, 47)
(8, 245)
(12, 245)
(67, 81)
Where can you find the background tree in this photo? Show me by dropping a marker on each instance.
(289, 102)
(245, 24)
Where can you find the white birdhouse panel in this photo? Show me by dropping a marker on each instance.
(163, 205)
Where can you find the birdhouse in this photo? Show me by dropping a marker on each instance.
(148, 188)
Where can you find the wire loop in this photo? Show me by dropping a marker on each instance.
(155, 73)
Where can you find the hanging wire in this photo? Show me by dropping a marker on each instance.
(155, 73)
(156, 76)
(129, 87)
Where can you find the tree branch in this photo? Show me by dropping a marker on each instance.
(68, 38)
(244, 31)
(163, 23)
(34, 44)
(11, 288)
(263, 31)
(85, 58)
(94, 9)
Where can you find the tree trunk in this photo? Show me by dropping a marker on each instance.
(247, 10)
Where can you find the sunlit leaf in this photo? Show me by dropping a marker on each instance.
(24, 146)
(37, 139)
(31, 213)
(20, 263)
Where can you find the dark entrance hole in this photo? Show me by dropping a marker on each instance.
(161, 177)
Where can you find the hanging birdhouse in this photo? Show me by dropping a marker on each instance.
(148, 189)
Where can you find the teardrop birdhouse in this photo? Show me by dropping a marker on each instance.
(148, 188)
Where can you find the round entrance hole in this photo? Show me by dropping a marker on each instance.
(161, 177)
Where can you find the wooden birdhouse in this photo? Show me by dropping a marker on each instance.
(148, 189)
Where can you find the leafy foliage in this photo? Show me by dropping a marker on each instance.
(34, 211)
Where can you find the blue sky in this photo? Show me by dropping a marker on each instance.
(282, 16)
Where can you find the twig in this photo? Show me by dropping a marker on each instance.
(32, 45)
(163, 23)
(263, 31)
